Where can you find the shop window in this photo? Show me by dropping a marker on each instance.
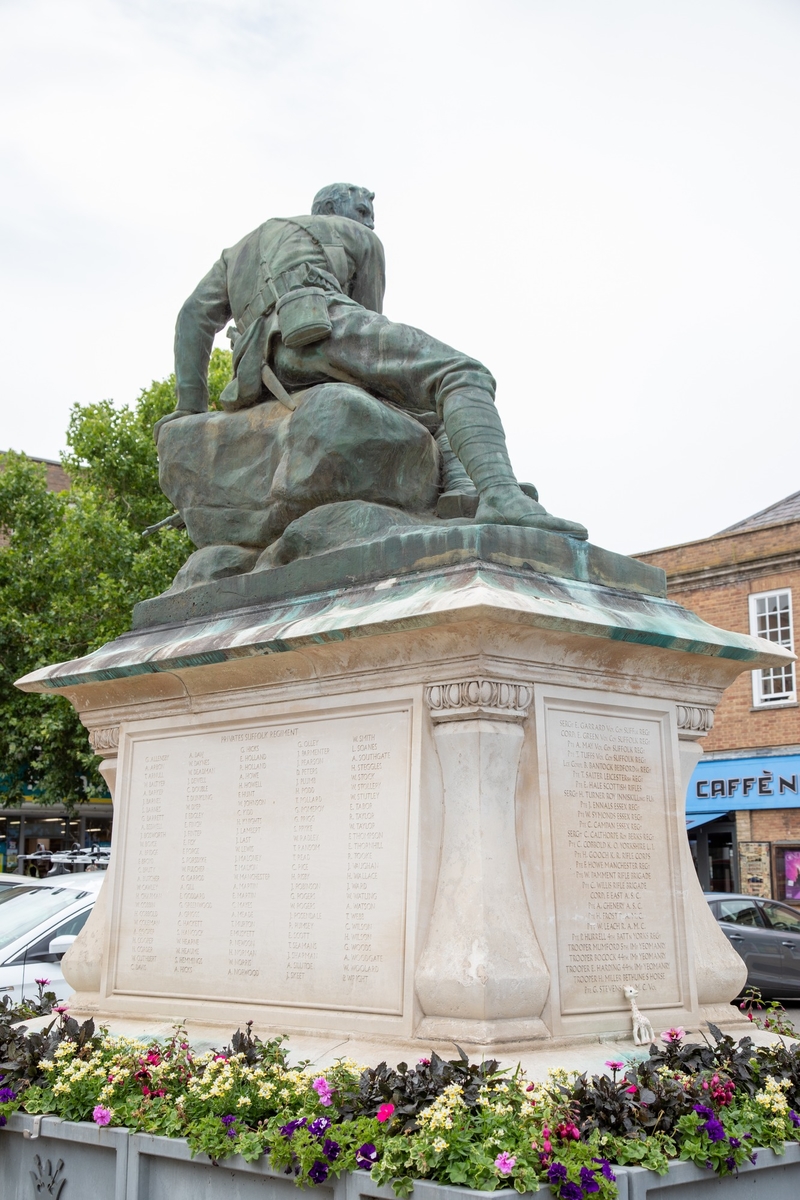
(771, 618)
(787, 872)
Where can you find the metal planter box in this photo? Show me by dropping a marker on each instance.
(69, 1160)
(78, 1161)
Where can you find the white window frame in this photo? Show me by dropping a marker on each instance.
(760, 699)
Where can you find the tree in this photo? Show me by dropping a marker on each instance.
(73, 566)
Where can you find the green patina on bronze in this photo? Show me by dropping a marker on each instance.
(488, 596)
(331, 404)
(403, 552)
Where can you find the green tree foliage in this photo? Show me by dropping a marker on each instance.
(73, 566)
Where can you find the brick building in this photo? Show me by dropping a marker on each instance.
(743, 803)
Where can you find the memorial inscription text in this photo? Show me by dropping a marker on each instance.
(613, 868)
(269, 864)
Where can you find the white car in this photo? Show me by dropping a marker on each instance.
(39, 921)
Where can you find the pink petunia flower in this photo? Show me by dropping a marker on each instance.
(324, 1091)
(505, 1163)
(385, 1112)
(101, 1115)
(632, 1089)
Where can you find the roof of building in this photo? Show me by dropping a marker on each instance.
(782, 511)
(57, 478)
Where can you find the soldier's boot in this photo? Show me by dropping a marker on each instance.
(475, 433)
(459, 496)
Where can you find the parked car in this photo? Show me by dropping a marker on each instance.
(39, 921)
(9, 881)
(766, 934)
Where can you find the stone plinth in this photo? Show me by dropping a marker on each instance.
(442, 805)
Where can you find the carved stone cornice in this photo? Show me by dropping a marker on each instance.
(468, 699)
(694, 720)
(105, 741)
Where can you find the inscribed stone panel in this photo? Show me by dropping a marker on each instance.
(268, 863)
(613, 858)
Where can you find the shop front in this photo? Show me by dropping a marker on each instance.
(31, 827)
(743, 824)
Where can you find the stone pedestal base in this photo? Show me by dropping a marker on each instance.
(443, 807)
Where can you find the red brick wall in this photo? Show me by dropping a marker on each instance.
(726, 550)
(775, 825)
(737, 724)
(724, 601)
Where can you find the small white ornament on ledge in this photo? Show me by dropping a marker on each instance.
(642, 1029)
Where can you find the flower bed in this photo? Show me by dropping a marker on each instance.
(711, 1103)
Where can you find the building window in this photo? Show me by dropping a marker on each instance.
(771, 618)
(787, 872)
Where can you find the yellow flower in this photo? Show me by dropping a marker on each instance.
(439, 1144)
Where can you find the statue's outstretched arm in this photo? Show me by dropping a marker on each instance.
(202, 316)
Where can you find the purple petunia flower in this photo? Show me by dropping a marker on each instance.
(7, 1094)
(753, 1158)
(101, 1115)
(319, 1172)
(318, 1127)
(589, 1181)
(605, 1169)
(735, 1143)
(793, 1117)
(571, 1191)
(730, 1163)
(703, 1109)
(288, 1129)
(713, 1129)
(228, 1120)
(331, 1149)
(2, 1120)
(556, 1173)
(366, 1156)
(505, 1163)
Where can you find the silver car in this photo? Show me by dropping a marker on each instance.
(766, 934)
(39, 920)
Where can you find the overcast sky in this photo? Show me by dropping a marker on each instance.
(598, 198)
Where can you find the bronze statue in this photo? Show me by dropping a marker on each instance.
(306, 295)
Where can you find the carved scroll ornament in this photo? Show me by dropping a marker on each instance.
(103, 741)
(694, 719)
(488, 698)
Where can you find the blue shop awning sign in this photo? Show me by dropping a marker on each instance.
(703, 818)
(742, 783)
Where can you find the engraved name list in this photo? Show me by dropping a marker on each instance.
(613, 875)
(268, 864)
